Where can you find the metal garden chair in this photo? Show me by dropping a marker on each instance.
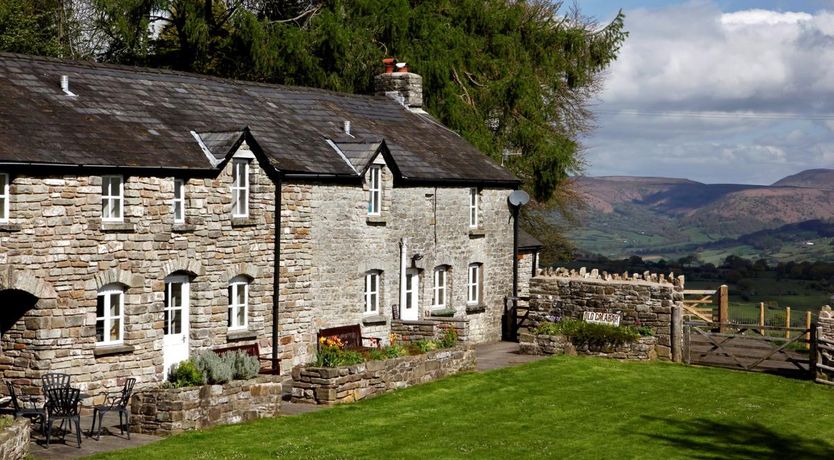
(115, 401)
(53, 380)
(26, 406)
(63, 405)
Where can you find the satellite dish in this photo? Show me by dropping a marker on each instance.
(519, 198)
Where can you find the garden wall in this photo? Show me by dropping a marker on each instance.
(641, 299)
(532, 344)
(336, 385)
(14, 440)
(430, 329)
(166, 411)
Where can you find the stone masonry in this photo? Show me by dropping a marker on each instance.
(538, 344)
(645, 299)
(14, 440)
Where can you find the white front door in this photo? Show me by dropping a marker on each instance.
(412, 289)
(175, 339)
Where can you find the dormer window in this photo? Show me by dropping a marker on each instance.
(178, 206)
(4, 197)
(474, 211)
(375, 190)
(240, 188)
(112, 198)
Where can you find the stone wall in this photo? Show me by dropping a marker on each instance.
(429, 329)
(56, 237)
(645, 299)
(162, 411)
(537, 344)
(14, 440)
(321, 385)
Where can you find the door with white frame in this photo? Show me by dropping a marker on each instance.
(175, 339)
(409, 311)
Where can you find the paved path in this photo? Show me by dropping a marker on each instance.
(489, 356)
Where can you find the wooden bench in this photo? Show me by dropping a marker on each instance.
(253, 349)
(351, 336)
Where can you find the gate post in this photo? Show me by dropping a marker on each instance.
(723, 306)
(677, 333)
(812, 354)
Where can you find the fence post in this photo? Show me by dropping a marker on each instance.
(808, 332)
(723, 306)
(787, 322)
(687, 331)
(812, 355)
(676, 333)
(762, 315)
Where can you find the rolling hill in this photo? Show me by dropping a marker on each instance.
(665, 217)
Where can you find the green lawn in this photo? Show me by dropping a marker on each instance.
(561, 407)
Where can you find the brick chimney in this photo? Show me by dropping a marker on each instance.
(400, 84)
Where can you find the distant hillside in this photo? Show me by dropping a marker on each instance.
(811, 178)
(666, 217)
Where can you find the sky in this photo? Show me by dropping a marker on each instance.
(716, 91)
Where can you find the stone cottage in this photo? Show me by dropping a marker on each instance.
(147, 214)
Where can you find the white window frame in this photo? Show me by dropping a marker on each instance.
(5, 197)
(473, 284)
(375, 190)
(108, 198)
(372, 292)
(412, 292)
(106, 293)
(235, 284)
(440, 289)
(179, 185)
(474, 203)
(240, 186)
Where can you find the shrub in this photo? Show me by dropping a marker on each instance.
(392, 351)
(425, 346)
(216, 369)
(243, 366)
(591, 334)
(645, 331)
(449, 338)
(186, 374)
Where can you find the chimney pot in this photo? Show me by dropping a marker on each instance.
(389, 64)
(402, 67)
(400, 85)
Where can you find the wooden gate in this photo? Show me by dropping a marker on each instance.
(516, 310)
(789, 351)
(707, 304)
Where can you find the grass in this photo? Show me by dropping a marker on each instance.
(560, 407)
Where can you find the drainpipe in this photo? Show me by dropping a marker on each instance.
(276, 273)
(403, 268)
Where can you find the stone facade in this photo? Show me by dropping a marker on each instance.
(562, 294)
(337, 385)
(537, 344)
(14, 440)
(56, 254)
(167, 411)
(429, 329)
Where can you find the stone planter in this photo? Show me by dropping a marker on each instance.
(336, 385)
(14, 440)
(165, 411)
(642, 350)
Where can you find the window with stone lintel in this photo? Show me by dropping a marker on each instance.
(240, 187)
(112, 198)
(372, 291)
(238, 302)
(110, 305)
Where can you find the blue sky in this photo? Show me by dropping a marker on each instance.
(716, 91)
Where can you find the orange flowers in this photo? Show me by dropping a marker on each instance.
(332, 341)
(393, 338)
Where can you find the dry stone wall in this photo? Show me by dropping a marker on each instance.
(14, 440)
(167, 411)
(538, 344)
(644, 299)
(337, 385)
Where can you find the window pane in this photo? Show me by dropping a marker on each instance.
(176, 294)
(441, 296)
(117, 208)
(105, 208)
(115, 325)
(373, 282)
(100, 306)
(178, 185)
(2, 184)
(165, 329)
(241, 294)
(177, 210)
(241, 316)
(231, 315)
(176, 321)
(115, 305)
(2, 207)
(373, 302)
(242, 204)
(105, 186)
(100, 330)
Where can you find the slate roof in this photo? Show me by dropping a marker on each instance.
(528, 242)
(147, 118)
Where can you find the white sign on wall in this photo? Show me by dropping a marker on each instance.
(601, 318)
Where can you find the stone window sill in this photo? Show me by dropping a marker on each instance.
(109, 350)
(476, 233)
(246, 334)
(116, 227)
(443, 312)
(377, 220)
(475, 309)
(9, 228)
(243, 222)
(374, 320)
(183, 228)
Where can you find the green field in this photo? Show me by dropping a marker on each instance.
(560, 407)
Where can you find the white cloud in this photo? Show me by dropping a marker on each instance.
(746, 96)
